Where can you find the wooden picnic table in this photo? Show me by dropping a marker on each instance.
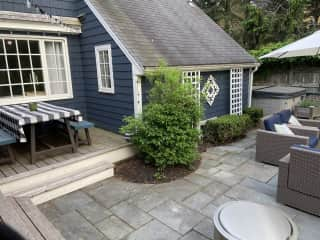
(14, 118)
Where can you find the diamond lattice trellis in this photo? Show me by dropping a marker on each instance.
(211, 90)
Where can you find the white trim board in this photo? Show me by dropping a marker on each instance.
(18, 21)
(106, 26)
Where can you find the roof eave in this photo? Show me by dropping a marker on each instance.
(211, 67)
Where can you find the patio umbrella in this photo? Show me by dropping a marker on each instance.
(308, 46)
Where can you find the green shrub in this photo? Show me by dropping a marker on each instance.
(309, 103)
(166, 133)
(255, 115)
(226, 128)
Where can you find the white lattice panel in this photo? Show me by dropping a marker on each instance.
(236, 90)
(193, 77)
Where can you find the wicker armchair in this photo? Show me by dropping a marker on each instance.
(299, 179)
(272, 146)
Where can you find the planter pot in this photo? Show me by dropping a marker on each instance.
(307, 112)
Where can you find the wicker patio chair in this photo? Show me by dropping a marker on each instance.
(299, 179)
(272, 146)
(286, 114)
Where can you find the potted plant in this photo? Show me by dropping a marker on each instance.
(308, 109)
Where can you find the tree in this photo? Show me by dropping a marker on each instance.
(254, 27)
(313, 11)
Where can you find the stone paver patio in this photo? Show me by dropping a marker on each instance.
(117, 210)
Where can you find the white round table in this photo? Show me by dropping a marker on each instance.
(242, 220)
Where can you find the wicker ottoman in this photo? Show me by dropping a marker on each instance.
(251, 221)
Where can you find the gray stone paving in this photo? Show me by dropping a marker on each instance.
(183, 209)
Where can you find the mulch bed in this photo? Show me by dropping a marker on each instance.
(135, 170)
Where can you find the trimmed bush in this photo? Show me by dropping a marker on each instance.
(255, 115)
(166, 134)
(226, 128)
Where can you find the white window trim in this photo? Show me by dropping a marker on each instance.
(69, 95)
(106, 47)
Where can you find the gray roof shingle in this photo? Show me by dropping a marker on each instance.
(172, 30)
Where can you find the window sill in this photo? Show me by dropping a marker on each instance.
(12, 101)
(107, 91)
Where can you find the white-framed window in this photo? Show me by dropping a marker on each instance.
(104, 68)
(236, 91)
(34, 68)
(194, 78)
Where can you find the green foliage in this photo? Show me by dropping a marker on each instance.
(254, 25)
(226, 128)
(309, 103)
(255, 115)
(166, 134)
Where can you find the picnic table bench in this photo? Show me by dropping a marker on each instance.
(24, 217)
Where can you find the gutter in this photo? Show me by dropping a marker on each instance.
(213, 67)
(252, 71)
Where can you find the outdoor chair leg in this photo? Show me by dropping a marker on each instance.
(33, 143)
(76, 137)
(11, 154)
(74, 147)
(88, 136)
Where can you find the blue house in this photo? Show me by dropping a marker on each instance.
(92, 55)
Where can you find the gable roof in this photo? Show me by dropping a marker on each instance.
(173, 30)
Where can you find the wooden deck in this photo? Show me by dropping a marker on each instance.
(102, 141)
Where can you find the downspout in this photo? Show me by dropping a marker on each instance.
(252, 71)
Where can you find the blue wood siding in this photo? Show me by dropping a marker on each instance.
(106, 110)
(66, 8)
(221, 104)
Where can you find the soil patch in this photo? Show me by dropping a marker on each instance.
(135, 170)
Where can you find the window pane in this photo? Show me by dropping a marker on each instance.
(17, 90)
(4, 77)
(38, 76)
(53, 75)
(51, 61)
(25, 62)
(29, 90)
(108, 82)
(62, 75)
(13, 61)
(11, 46)
(36, 61)
(40, 90)
(58, 47)
(49, 48)
(59, 88)
(2, 62)
(1, 46)
(15, 77)
(23, 46)
(27, 76)
(101, 58)
(103, 81)
(106, 56)
(107, 69)
(60, 61)
(103, 69)
(4, 92)
(34, 47)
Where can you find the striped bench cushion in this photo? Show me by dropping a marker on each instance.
(81, 125)
(6, 139)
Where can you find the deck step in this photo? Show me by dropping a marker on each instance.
(45, 184)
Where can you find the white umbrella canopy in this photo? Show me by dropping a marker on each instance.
(308, 46)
